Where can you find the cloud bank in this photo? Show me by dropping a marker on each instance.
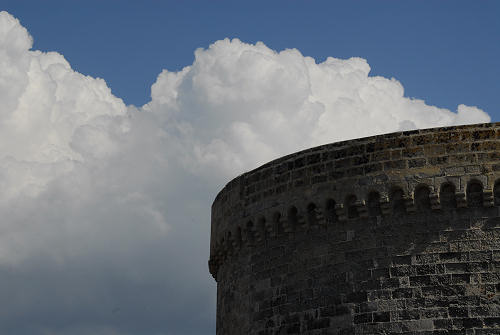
(105, 207)
(239, 105)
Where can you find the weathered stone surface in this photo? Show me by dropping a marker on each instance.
(391, 234)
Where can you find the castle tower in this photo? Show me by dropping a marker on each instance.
(390, 234)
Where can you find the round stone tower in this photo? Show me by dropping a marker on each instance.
(390, 234)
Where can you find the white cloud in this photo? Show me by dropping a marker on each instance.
(239, 105)
(108, 205)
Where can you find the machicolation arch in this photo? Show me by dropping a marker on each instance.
(390, 234)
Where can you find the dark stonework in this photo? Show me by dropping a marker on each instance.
(391, 234)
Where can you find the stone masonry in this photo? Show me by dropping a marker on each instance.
(390, 234)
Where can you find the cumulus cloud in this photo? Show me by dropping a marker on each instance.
(239, 105)
(105, 207)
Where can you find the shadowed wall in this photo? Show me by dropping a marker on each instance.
(391, 234)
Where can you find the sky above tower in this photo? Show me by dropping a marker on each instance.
(120, 121)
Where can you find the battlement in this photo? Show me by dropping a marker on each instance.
(447, 176)
(398, 172)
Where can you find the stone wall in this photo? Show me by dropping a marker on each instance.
(391, 234)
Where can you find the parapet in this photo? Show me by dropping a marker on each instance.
(356, 177)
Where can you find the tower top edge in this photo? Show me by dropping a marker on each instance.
(425, 135)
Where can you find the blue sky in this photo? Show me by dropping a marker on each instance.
(442, 51)
(105, 203)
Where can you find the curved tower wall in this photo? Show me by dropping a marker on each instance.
(391, 234)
